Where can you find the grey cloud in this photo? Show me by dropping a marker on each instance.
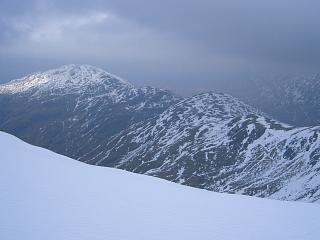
(185, 45)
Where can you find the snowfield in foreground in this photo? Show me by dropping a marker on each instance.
(47, 196)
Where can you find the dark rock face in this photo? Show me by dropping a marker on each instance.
(210, 141)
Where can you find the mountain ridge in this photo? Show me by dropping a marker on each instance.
(211, 141)
(68, 120)
(242, 152)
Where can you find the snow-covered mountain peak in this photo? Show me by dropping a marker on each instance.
(207, 107)
(68, 78)
(220, 102)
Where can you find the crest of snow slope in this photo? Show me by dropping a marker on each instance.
(47, 196)
(216, 142)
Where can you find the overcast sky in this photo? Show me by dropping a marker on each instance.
(184, 45)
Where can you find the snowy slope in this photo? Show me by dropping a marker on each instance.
(47, 196)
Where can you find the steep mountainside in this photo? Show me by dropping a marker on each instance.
(71, 110)
(48, 196)
(295, 100)
(210, 141)
(216, 142)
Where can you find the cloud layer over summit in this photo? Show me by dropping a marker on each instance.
(185, 45)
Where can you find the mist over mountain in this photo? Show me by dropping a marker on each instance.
(293, 99)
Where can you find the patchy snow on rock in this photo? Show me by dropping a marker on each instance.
(223, 145)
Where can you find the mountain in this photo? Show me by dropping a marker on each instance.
(48, 196)
(209, 141)
(291, 99)
(216, 142)
(73, 109)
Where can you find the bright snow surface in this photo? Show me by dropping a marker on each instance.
(47, 196)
